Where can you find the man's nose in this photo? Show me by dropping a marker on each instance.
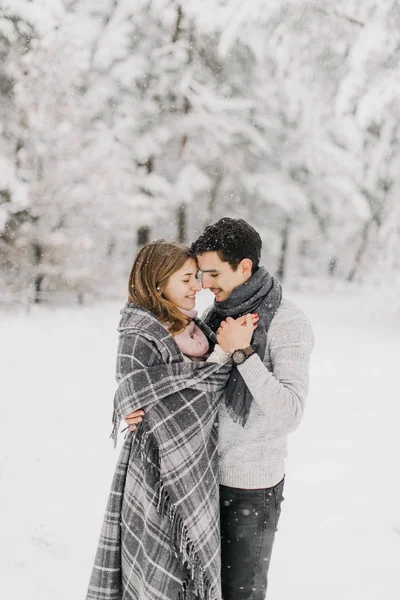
(205, 281)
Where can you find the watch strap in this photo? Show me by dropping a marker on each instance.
(249, 351)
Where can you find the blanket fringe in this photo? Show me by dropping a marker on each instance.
(116, 420)
(197, 585)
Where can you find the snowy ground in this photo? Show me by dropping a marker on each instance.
(339, 534)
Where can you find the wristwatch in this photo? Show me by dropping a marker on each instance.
(239, 356)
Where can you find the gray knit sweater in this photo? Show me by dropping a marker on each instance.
(253, 456)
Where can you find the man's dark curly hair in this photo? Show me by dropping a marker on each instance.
(233, 240)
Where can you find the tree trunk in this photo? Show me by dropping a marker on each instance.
(182, 224)
(38, 288)
(212, 199)
(179, 15)
(361, 251)
(182, 209)
(110, 248)
(332, 266)
(143, 235)
(281, 270)
(37, 254)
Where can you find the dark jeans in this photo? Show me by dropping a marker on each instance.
(249, 520)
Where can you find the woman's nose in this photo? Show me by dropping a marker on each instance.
(196, 286)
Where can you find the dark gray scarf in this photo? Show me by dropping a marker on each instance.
(262, 293)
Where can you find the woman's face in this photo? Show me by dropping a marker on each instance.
(182, 286)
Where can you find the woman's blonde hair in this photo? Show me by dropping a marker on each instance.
(154, 264)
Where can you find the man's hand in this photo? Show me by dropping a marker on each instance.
(234, 335)
(134, 418)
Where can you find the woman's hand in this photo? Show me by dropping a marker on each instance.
(242, 320)
(134, 418)
(236, 334)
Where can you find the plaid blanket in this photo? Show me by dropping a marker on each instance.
(160, 538)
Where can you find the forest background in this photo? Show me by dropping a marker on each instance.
(126, 120)
(122, 121)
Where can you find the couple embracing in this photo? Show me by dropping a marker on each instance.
(196, 496)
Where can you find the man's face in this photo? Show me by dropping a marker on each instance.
(219, 277)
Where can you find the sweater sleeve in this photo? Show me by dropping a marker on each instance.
(281, 394)
(219, 356)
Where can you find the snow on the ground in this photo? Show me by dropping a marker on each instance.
(339, 535)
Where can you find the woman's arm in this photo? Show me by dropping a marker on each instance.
(143, 378)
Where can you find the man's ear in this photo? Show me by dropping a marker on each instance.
(246, 266)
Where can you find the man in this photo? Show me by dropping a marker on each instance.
(265, 398)
(266, 394)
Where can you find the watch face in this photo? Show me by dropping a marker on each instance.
(238, 357)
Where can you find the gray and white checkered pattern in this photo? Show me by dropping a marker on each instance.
(160, 538)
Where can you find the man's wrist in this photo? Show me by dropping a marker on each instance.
(232, 349)
(240, 355)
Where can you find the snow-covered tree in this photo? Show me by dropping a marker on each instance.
(121, 121)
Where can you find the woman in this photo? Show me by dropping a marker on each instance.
(160, 538)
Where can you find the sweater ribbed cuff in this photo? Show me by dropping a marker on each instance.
(252, 368)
